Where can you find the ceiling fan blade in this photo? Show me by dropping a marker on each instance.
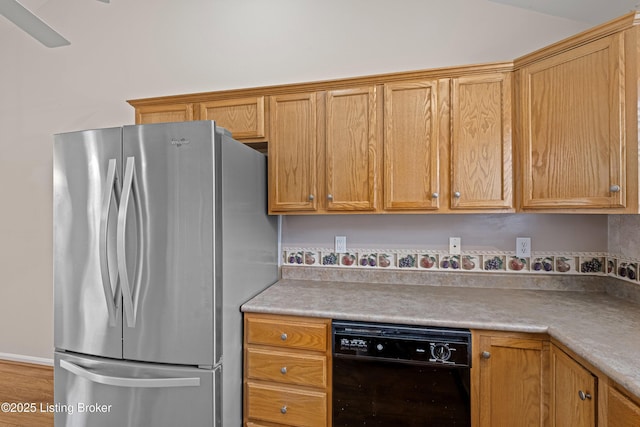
(104, 1)
(31, 24)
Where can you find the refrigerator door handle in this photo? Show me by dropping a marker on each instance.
(129, 382)
(130, 188)
(111, 191)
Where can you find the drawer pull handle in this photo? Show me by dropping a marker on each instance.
(584, 396)
(614, 188)
(283, 410)
(283, 337)
(485, 355)
(283, 370)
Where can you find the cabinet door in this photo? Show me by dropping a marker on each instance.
(164, 113)
(292, 153)
(351, 149)
(620, 411)
(573, 392)
(243, 117)
(411, 145)
(572, 118)
(481, 172)
(511, 381)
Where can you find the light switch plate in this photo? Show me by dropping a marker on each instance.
(341, 244)
(454, 245)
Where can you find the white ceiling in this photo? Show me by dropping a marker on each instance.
(590, 11)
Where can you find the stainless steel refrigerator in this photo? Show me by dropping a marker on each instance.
(160, 234)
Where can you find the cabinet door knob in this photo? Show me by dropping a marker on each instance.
(283, 410)
(330, 196)
(435, 195)
(311, 197)
(584, 396)
(457, 194)
(614, 188)
(283, 370)
(485, 355)
(283, 337)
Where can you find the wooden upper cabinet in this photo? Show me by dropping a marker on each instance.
(293, 153)
(572, 131)
(243, 117)
(164, 113)
(412, 143)
(573, 392)
(441, 140)
(351, 155)
(481, 159)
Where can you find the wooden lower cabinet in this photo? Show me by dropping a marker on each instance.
(517, 379)
(583, 396)
(287, 371)
(620, 410)
(509, 377)
(574, 392)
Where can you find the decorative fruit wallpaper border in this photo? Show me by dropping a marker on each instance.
(592, 263)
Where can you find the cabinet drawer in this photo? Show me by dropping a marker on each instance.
(287, 406)
(289, 333)
(289, 368)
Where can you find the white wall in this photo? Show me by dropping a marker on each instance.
(624, 235)
(482, 232)
(143, 48)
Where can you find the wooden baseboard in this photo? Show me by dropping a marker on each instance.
(26, 389)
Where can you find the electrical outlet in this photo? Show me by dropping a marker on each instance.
(454, 245)
(341, 244)
(523, 247)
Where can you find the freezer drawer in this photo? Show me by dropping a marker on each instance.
(97, 392)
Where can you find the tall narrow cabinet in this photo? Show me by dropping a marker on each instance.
(413, 140)
(293, 153)
(481, 150)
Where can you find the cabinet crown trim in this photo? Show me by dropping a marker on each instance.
(616, 25)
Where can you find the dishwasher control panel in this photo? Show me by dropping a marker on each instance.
(402, 343)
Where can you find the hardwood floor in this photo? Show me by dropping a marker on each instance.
(21, 385)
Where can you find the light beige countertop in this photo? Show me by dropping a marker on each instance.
(599, 327)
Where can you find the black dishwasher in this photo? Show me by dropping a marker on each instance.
(400, 375)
